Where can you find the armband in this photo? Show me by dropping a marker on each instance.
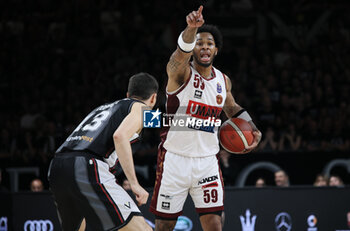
(185, 47)
(243, 114)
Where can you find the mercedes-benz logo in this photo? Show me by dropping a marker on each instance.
(283, 222)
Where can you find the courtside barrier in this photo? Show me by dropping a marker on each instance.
(246, 209)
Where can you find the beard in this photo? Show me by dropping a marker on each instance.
(203, 64)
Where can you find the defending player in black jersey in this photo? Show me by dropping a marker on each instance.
(79, 174)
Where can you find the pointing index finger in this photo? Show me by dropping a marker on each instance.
(200, 9)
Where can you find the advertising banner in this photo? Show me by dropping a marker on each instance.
(5, 212)
(34, 211)
(246, 209)
(280, 209)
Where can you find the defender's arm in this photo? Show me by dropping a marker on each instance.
(131, 124)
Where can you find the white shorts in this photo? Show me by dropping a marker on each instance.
(179, 175)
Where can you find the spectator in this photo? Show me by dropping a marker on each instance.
(289, 140)
(36, 185)
(281, 178)
(335, 180)
(321, 180)
(260, 182)
(269, 143)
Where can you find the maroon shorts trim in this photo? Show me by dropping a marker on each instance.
(159, 175)
(165, 215)
(209, 210)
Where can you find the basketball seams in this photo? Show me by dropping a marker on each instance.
(239, 132)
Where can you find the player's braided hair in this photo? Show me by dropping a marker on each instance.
(213, 30)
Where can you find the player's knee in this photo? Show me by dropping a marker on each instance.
(147, 228)
(211, 222)
(144, 226)
(165, 225)
(137, 223)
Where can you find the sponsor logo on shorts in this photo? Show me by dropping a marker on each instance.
(210, 185)
(208, 179)
(128, 205)
(166, 196)
(166, 205)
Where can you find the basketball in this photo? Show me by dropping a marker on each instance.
(235, 135)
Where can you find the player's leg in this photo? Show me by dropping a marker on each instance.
(211, 222)
(82, 225)
(222, 219)
(165, 225)
(137, 223)
(61, 181)
(207, 192)
(171, 189)
(69, 216)
(108, 206)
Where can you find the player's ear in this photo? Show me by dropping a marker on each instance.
(127, 95)
(216, 52)
(154, 98)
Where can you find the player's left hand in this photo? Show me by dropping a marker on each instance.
(140, 193)
(257, 137)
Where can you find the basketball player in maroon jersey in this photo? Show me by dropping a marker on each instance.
(187, 160)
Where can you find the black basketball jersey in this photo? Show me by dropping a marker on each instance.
(95, 133)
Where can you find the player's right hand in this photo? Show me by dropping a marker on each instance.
(257, 137)
(140, 193)
(195, 18)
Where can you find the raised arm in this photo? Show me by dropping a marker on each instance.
(178, 68)
(232, 109)
(131, 124)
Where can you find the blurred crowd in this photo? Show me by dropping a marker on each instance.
(60, 59)
(281, 179)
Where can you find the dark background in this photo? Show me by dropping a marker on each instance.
(329, 205)
(288, 61)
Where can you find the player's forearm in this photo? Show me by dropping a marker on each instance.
(178, 66)
(124, 152)
(232, 109)
(189, 34)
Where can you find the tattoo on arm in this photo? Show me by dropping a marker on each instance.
(173, 65)
(176, 70)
